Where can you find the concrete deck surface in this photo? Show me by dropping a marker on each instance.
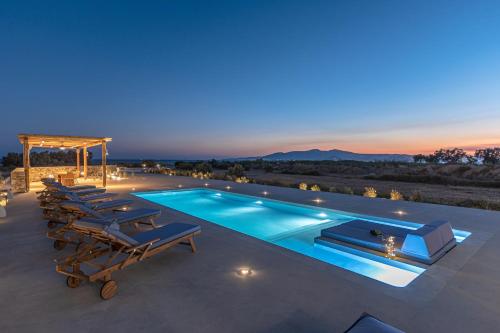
(183, 292)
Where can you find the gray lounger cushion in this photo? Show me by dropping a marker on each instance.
(82, 193)
(92, 224)
(90, 198)
(119, 217)
(54, 183)
(113, 204)
(369, 324)
(133, 215)
(87, 207)
(166, 233)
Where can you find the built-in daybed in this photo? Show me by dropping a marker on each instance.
(426, 245)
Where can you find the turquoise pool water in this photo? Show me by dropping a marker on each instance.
(291, 226)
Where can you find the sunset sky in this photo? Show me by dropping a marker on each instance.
(202, 79)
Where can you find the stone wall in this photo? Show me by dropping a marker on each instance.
(38, 173)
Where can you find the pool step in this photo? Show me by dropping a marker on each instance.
(367, 253)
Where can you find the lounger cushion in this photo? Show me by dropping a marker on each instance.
(113, 230)
(82, 208)
(166, 233)
(369, 324)
(134, 215)
(92, 224)
(113, 204)
(98, 197)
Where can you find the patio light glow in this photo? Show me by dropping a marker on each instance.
(228, 187)
(244, 271)
(400, 212)
(265, 193)
(318, 200)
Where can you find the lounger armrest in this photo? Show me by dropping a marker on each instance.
(140, 246)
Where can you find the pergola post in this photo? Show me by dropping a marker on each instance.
(104, 163)
(85, 162)
(26, 164)
(78, 162)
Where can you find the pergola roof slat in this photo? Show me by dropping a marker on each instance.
(61, 141)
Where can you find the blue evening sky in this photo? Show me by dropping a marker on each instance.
(196, 79)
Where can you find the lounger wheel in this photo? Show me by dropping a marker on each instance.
(51, 224)
(59, 244)
(108, 289)
(72, 282)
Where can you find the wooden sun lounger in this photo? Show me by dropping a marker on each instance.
(67, 234)
(57, 213)
(52, 181)
(110, 250)
(54, 197)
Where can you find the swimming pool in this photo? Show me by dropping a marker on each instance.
(291, 226)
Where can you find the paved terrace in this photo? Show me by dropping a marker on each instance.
(183, 292)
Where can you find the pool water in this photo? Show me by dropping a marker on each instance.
(291, 226)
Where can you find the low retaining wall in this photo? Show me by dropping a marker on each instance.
(38, 173)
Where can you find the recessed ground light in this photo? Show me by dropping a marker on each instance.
(318, 200)
(133, 188)
(179, 186)
(206, 184)
(244, 271)
(228, 188)
(265, 193)
(400, 212)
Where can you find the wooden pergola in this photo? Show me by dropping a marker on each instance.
(62, 142)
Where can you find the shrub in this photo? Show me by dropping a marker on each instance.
(242, 180)
(395, 195)
(237, 171)
(203, 168)
(332, 189)
(303, 186)
(347, 190)
(370, 192)
(416, 196)
(315, 188)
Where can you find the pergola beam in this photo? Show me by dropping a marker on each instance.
(104, 154)
(78, 162)
(85, 162)
(26, 164)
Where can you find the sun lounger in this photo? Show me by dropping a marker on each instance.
(426, 244)
(52, 181)
(369, 324)
(111, 250)
(66, 234)
(56, 213)
(51, 197)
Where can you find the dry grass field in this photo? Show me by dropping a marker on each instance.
(468, 196)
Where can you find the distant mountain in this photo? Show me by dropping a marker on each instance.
(335, 155)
